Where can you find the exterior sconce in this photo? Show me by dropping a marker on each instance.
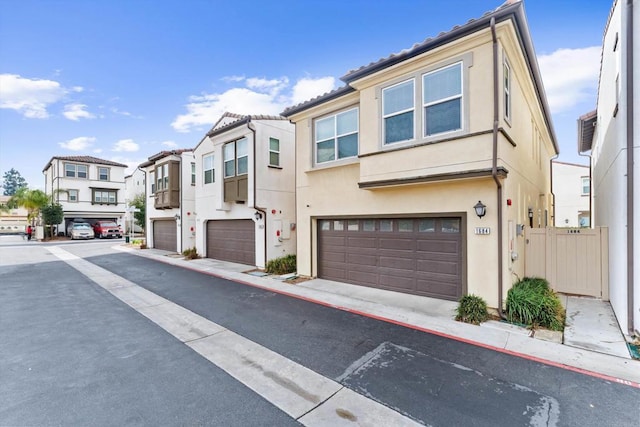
(530, 212)
(258, 216)
(177, 217)
(481, 210)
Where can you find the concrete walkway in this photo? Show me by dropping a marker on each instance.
(592, 347)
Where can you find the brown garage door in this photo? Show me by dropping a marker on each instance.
(165, 235)
(232, 240)
(421, 256)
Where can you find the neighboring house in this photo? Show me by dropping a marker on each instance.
(572, 194)
(88, 188)
(12, 220)
(170, 200)
(391, 167)
(612, 135)
(134, 185)
(245, 190)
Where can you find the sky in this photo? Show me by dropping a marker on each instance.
(125, 79)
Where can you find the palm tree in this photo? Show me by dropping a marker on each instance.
(31, 200)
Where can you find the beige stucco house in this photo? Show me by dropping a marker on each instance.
(390, 167)
(245, 191)
(170, 191)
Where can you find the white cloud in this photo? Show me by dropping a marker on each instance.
(124, 113)
(570, 76)
(259, 96)
(76, 112)
(233, 79)
(169, 144)
(126, 145)
(306, 89)
(78, 144)
(29, 97)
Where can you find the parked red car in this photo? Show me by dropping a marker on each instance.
(107, 229)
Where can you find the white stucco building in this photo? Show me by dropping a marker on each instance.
(611, 134)
(572, 194)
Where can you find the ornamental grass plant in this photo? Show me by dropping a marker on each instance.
(472, 309)
(533, 303)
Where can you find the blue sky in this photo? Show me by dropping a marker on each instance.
(124, 79)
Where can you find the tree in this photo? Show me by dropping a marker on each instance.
(32, 200)
(12, 181)
(52, 215)
(140, 217)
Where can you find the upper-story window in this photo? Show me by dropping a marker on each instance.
(72, 170)
(274, 152)
(103, 174)
(336, 136)
(507, 90)
(208, 169)
(398, 106)
(105, 197)
(152, 178)
(586, 186)
(193, 174)
(236, 158)
(442, 98)
(72, 195)
(426, 105)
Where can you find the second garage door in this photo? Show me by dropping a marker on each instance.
(165, 235)
(422, 256)
(232, 240)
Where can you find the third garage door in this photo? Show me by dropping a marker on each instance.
(422, 256)
(232, 240)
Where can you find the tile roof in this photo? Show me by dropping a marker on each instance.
(240, 119)
(162, 154)
(84, 159)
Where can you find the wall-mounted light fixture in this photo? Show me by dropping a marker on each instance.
(481, 209)
(530, 213)
(258, 215)
(177, 217)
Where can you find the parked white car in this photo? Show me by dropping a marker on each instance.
(81, 230)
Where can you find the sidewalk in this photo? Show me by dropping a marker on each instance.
(593, 344)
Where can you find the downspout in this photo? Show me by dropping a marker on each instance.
(590, 188)
(494, 166)
(255, 192)
(630, 189)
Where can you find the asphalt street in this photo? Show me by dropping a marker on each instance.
(75, 355)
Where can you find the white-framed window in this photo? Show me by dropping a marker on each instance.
(274, 152)
(73, 170)
(193, 173)
(165, 176)
(72, 196)
(507, 90)
(442, 100)
(398, 108)
(208, 170)
(586, 186)
(104, 197)
(152, 178)
(336, 136)
(236, 158)
(103, 173)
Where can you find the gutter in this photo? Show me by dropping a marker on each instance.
(494, 167)
(255, 192)
(630, 187)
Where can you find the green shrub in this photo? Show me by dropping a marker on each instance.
(472, 309)
(532, 302)
(282, 265)
(190, 253)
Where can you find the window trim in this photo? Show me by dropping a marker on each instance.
(277, 152)
(443, 100)
(102, 191)
(397, 113)
(205, 170)
(507, 77)
(335, 137)
(75, 170)
(193, 173)
(77, 194)
(466, 61)
(107, 169)
(582, 186)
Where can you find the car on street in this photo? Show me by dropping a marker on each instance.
(81, 230)
(107, 229)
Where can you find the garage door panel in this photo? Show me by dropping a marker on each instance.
(232, 240)
(165, 235)
(425, 261)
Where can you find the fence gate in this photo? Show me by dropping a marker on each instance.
(573, 260)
